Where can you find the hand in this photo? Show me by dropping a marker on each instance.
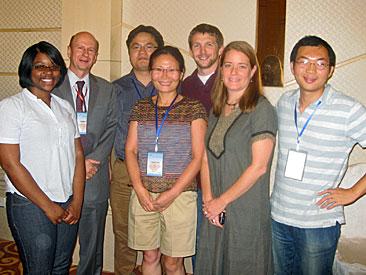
(213, 208)
(163, 201)
(215, 222)
(73, 213)
(55, 213)
(145, 199)
(335, 197)
(91, 168)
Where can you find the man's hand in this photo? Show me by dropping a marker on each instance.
(91, 168)
(335, 197)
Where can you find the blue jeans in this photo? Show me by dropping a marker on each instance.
(302, 251)
(44, 248)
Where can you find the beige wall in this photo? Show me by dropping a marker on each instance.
(24, 22)
(174, 19)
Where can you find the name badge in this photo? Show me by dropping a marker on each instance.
(295, 165)
(82, 119)
(155, 164)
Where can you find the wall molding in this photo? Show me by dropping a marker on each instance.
(8, 74)
(56, 29)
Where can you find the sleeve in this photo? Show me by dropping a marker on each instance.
(198, 110)
(356, 129)
(11, 119)
(264, 120)
(73, 117)
(134, 116)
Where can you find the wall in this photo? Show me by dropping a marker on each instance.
(25, 22)
(174, 19)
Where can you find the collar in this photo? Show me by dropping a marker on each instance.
(325, 97)
(73, 78)
(31, 96)
(133, 76)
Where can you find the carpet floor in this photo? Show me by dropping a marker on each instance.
(10, 263)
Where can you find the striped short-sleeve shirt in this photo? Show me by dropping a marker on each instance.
(338, 123)
(175, 140)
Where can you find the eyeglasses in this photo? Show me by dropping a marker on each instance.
(148, 48)
(45, 68)
(168, 71)
(319, 64)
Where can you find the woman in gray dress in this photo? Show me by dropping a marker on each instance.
(235, 170)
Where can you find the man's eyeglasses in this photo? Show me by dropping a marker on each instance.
(148, 48)
(319, 64)
(45, 68)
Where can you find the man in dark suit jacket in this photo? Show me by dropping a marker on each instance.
(98, 98)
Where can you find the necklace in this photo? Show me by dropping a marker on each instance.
(232, 105)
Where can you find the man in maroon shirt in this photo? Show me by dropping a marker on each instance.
(206, 44)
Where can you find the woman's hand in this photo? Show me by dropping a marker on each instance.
(215, 222)
(145, 199)
(211, 209)
(55, 213)
(163, 201)
(73, 213)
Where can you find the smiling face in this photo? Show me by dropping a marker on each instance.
(313, 73)
(82, 52)
(205, 51)
(140, 50)
(165, 74)
(236, 71)
(45, 74)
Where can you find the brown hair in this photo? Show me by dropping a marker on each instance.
(250, 97)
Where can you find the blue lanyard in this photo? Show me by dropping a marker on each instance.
(305, 125)
(138, 91)
(157, 127)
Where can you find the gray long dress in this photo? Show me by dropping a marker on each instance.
(243, 246)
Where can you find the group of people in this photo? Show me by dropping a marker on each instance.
(185, 162)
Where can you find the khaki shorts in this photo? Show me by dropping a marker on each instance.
(173, 230)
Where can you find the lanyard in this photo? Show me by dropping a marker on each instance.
(157, 127)
(299, 135)
(82, 97)
(138, 91)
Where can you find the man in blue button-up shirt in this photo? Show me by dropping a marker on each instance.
(141, 43)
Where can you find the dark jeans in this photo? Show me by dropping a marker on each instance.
(44, 248)
(304, 251)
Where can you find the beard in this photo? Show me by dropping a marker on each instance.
(205, 65)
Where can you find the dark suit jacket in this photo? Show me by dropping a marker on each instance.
(101, 127)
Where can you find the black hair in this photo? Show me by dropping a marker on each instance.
(148, 29)
(173, 51)
(206, 28)
(25, 66)
(314, 41)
